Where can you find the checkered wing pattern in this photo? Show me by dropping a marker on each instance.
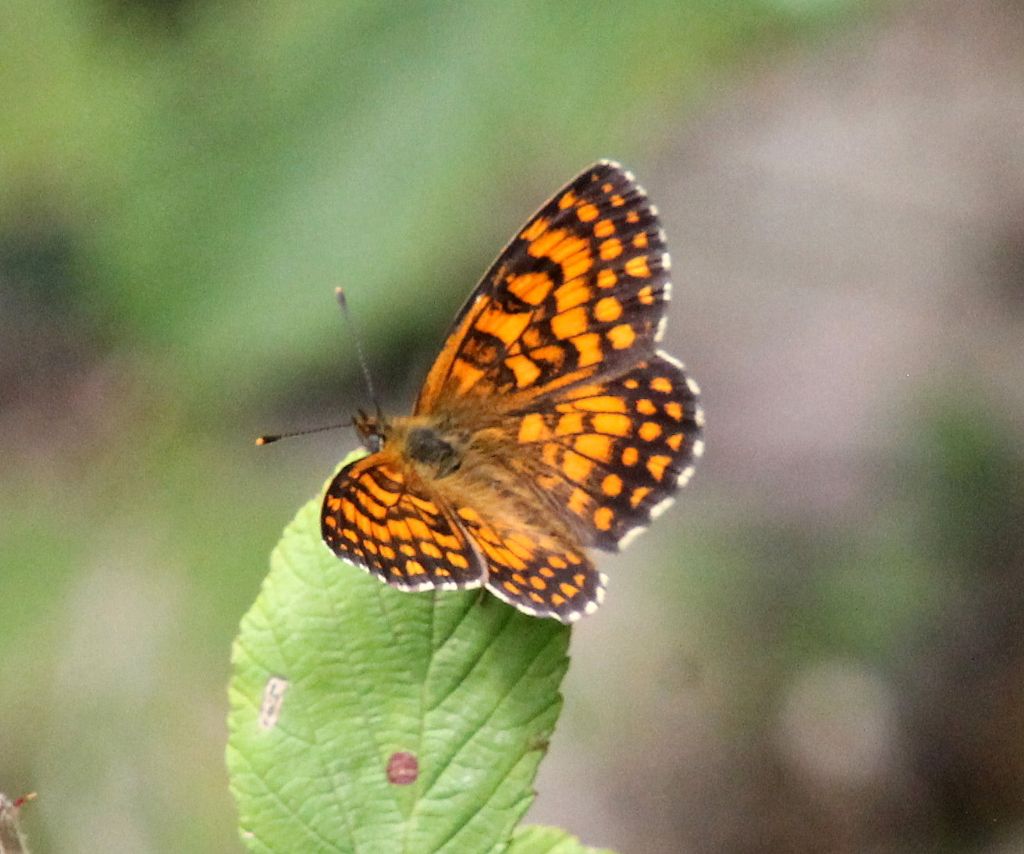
(537, 572)
(378, 516)
(578, 292)
(612, 453)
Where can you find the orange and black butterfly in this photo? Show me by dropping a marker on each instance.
(548, 424)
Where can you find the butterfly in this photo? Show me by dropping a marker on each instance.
(548, 424)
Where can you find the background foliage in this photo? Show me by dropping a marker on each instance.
(820, 642)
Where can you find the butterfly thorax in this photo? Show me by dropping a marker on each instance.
(433, 446)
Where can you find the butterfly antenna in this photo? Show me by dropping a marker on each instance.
(343, 303)
(273, 437)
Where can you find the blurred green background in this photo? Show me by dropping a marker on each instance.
(820, 648)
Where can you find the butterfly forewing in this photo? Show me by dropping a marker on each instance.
(578, 292)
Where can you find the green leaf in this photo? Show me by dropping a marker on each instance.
(337, 676)
(549, 840)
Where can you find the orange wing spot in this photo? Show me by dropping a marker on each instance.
(557, 562)
(579, 501)
(645, 406)
(519, 548)
(675, 441)
(330, 522)
(601, 403)
(579, 578)
(407, 550)
(574, 558)
(662, 384)
(656, 466)
(605, 228)
(611, 249)
(568, 589)
(379, 493)
(364, 524)
(376, 510)
(638, 495)
(503, 326)
(567, 201)
(569, 248)
(649, 431)
(525, 369)
(608, 309)
(531, 288)
(535, 228)
(611, 485)
(630, 456)
(370, 546)
(414, 567)
(607, 279)
(350, 535)
(469, 514)
(594, 446)
(618, 202)
(510, 587)
(557, 600)
(532, 428)
(546, 572)
(577, 265)
(646, 295)
(467, 375)
(607, 187)
(348, 510)
(569, 296)
(587, 213)
(570, 324)
(553, 354)
(621, 336)
(419, 529)
(440, 570)
(576, 468)
(535, 597)
(430, 550)
(518, 579)
(532, 337)
(387, 552)
(588, 348)
(569, 424)
(640, 240)
(423, 504)
(674, 410)
(603, 517)
(637, 267)
(611, 424)
(550, 454)
(457, 560)
(542, 245)
(538, 583)
(633, 217)
(447, 541)
(381, 534)
(333, 503)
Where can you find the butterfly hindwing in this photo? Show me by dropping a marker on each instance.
(537, 572)
(578, 292)
(613, 452)
(378, 516)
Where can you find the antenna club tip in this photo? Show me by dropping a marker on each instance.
(339, 294)
(265, 440)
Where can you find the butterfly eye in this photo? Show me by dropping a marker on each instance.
(373, 442)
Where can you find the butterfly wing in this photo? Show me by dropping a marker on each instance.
(578, 292)
(539, 572)
(379, 515)
(610, 454)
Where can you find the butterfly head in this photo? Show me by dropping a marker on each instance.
(373, 430)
